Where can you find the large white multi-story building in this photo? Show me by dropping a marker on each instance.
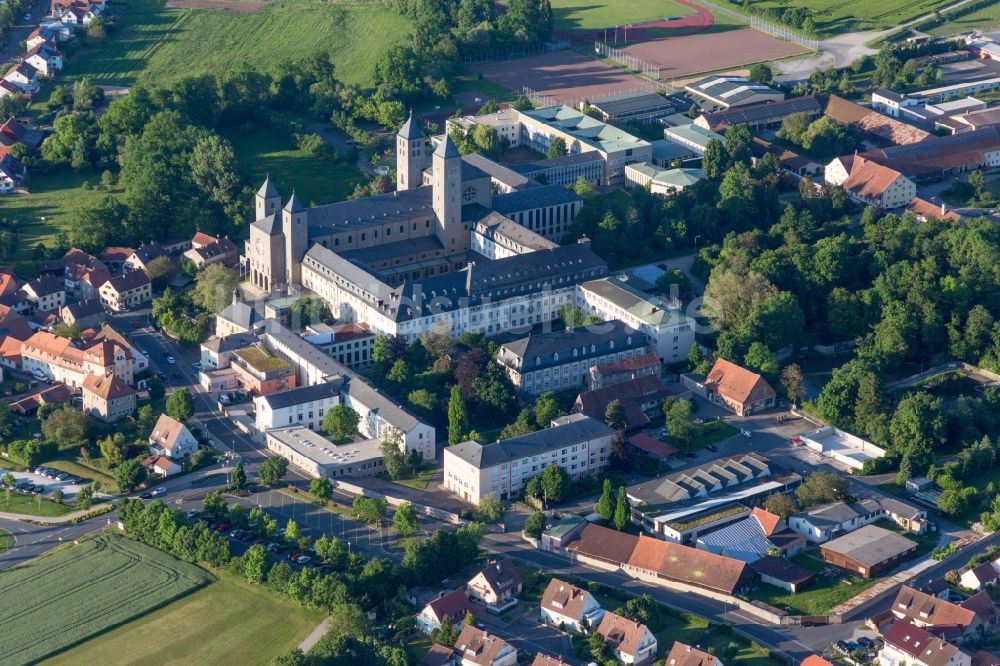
(670, 331)
(59, 360)
(577, 443)
(305, 406)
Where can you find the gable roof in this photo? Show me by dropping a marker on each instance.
(478, 646)
(782, 569)
(868, 179)
(981, 603)
(631, 393)
(919, 644)
(501, 575)
(682, 654)
(453, 605)
(129, 281)
(985, 573)
(565, 599)
(870, 545)
(651, 445)
(166, 431)
(734, 382)
(621, 633)
(915, 605)
(648, 360)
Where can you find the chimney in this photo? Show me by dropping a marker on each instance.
(944, 208)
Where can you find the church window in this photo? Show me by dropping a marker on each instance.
(469, 194)
(363, 236)
(401, 228)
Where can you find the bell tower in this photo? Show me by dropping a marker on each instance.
(267, 200)
(411, 159)
(447, 198)
(295, 229)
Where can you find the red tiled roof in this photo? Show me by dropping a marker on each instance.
(682, 654)
(651, 445)
(815, 660)
(869, 179)
(923, 208)
(734, 382)
(622, 634)
(919, 644)
(453, 605)
(769, 522)
(108, 387)
(629, 364)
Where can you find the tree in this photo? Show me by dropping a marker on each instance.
(213, 505)
(678, 420)
(340, 422)
(272, 469)
(491, 508)
(404, 520)
(555, 483)
(180, 405)
(113, 449)
(761, 73)
(213, 287)
(396, 464)
(918, 420)
(156, 388)
(57, 496)
(293, 657)
(321, 489)
(534, 525)
(781, 504)
(399, 373)
(458, 419)
(546, 409)
(622, 510)
(160, 271)
(582, 188)
(792, 382)
(66, 426)
(557, 148)
(369, 510)
(761, 359)
(254, 563)
(714, 159)
(238, 477)
(129, 475)
(821, 487)
(68, 331)
(292, 531)
(606, 504)
(614, 415)
(533, 487)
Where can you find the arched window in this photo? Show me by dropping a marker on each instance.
(469, 194)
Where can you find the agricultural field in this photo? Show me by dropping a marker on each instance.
(157, 44)
(574, 15)
(984, 18)
(227, 622)
(833, 17)
(261, 151)
(72, 594)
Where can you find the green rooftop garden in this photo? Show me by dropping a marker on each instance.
(722, 514)
(262, 360)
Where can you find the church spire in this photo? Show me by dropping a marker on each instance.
(409, 130)
(267, 190)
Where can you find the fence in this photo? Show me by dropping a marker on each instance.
(630, 61)
(500, 55)
(541, 99)
(758, 23)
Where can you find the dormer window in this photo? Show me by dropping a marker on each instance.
(555, 356)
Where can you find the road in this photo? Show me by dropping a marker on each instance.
(17, 33)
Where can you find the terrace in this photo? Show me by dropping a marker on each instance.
(262, 360)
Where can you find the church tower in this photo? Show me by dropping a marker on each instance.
(447, 184)
(267, 200)
(411, 160)
(296, 232)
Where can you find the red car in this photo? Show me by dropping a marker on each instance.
(223, 527)
(136, 324)
(295, 557)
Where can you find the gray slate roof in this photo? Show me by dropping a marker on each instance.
(241, 314)
(303, 394)
(546, 346)
(870, 545)
(446, 148)
(409, 130)
(267, 190)
(573, 429)
(534, 197)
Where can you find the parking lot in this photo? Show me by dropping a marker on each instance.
(47, 482)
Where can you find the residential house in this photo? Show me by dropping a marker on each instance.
(115, 257)
(125, 291)
(8, 284)
(451, 607)
(682, 654)
(906, 644)
(439, 655)
(738, 389)
(57, 394)
(616, 372)
(951, 621)
(221, 251)
(579, 444)
(24, 77)
(79, 13)
(870, 183)
(39, 35)
(638, 397)
(479, 648)
(58, 359)
(753, 537)
(45, 293)
(161, 466)
(237, 317)
(570, 607)
(108, 397)
(172, 439)
(981, 576)
(11, 173)
(629, 641)
(106, 333)
(542, 659)
(83, 314)
(9, 89)
(14, 131)
(142, 257)
(827, 521)
(497, 585)
(84, 281)
(45, 58)
(562, 360)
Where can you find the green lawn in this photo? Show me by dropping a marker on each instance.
(710, 433)
(261, 151)
(817, 599)
(52, 199)
(838, 16)
(66, 597)
(32, 505)
(419, 481)
(983, 18)
(576, 15)
(6, 541)
(227, 622)
(155, 44)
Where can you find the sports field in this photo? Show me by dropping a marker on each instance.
(984, 18)
(66, 597)
(227, 622)
(577, 15)
(833, 17)
(156, 44)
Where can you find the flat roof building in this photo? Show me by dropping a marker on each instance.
(321, 458)
(723, 92)
(642, 106)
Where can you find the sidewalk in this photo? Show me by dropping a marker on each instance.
(315, 635)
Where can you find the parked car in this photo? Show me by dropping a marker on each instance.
(159, 491)
(146, 496)
(302, 559)
(746, 433)
(222, 528)
(712, 447)
(171, 360)
(196, 365)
